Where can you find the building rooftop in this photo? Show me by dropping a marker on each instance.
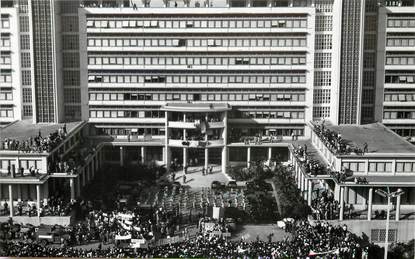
(380, 139)
(196, 107)
(22, 130)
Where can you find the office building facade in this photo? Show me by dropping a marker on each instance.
(278, 64)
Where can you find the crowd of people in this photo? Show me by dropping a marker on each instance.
(325, 207)
(331, 139)
(307, 239)
(311, 166)
(36, 144)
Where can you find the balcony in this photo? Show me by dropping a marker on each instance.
(195, 143)
(216, 124)
(182, 125)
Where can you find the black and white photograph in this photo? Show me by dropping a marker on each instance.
(229, 129)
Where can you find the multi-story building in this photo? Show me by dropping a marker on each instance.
(258, 61)
(396, 57)
(11, 105)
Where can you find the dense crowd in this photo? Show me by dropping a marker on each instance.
(335, 241)
(36, 144)
(56, 206)
(311, 166)
(330, 138)
(324, 206)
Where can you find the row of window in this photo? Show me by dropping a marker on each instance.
(202, 42)
(125, 114)
(322, 96)
(399, 97)
(396, 23)
(283, 22)
(399, 79)
(401, 42)
(381, 167)
(6, 112)
(289, 60)
(139, 131)
(399, 115)
(197, 97)
(321, 112)
(274, 115)
(6, 96)
(25, 164)
(400, 61)
(257, 79)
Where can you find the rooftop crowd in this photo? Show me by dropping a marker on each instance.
(36, 144)
(334, 141)
(335, 241)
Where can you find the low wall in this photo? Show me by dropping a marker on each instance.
(405, 228)
(36, 221)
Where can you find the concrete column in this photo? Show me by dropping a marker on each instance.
(92, 169)
(398, 208)
(310, 192)
(346, 194)
(206, 158)
(45, 192)
(121, 156)
(167, 154)
(19, 192)
(11, 200)
(38, 199)
(167, 158)
(87, 169)
(143, 154)
(269, 153)
(72, 186)
(78, 186)
(248, 157)
(341, 200)
(225, 150)
(84, 176)
(369, 204)
(184, 157)
(224, 159)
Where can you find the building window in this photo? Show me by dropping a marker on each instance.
(71, 78)
(27, 95)
(24, 23)
(322, 96)
(27, 110)
(321, 112)
(322, 60)
(70, 23)
(71, 60)
(70, 42)
(26, 77)
(323, 41)
(324, 23)
(322, 78)
(24, 42)
(25, 59)
(72, 95)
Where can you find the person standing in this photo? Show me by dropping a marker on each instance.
(184, 178)
(365, 148)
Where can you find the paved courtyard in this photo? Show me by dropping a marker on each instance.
(195, 179)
